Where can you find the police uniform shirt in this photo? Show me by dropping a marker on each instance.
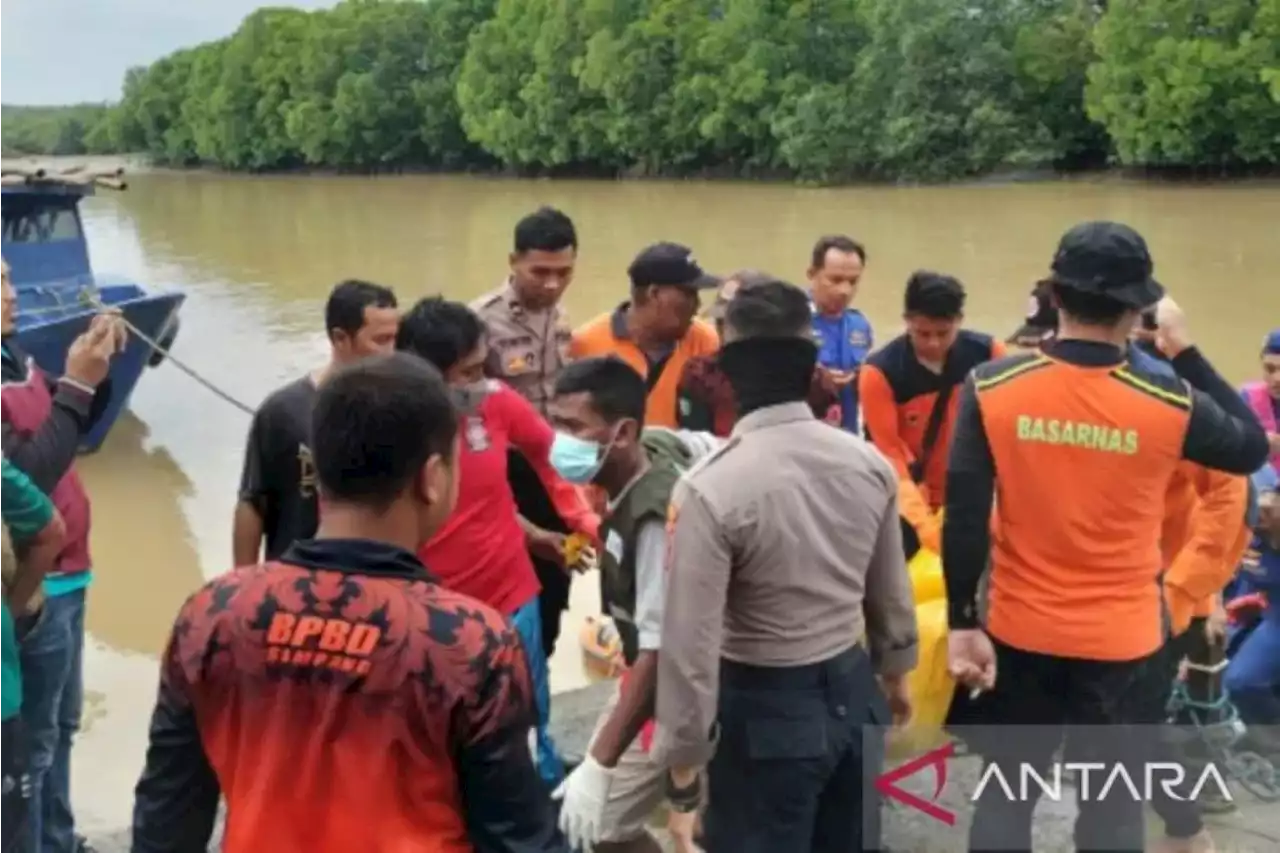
(783, 547)
(527, 349)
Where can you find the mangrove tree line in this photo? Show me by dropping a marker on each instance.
(822, 90)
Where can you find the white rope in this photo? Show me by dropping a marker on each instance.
(90, 298)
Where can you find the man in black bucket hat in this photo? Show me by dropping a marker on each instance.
(1074, 620)
(1100, 258)
(1110, 260)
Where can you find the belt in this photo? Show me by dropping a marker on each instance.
(834, 670)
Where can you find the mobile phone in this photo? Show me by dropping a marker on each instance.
(1149, 320)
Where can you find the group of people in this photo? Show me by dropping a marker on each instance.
(749, 487)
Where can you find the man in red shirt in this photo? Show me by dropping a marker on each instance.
(483, 548)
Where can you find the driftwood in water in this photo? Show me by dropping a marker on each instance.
(75, 175)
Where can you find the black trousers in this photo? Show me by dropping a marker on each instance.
(1103, 712)
(1180, 814)
(799, 750)
(535, 505)
(17, 787)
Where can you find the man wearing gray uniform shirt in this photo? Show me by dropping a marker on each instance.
(788, 609)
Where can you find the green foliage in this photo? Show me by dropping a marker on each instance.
(1186, 82)
(818, 90)
(56, 130)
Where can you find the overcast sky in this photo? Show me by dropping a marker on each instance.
(63, 51)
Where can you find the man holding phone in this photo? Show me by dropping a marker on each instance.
(843, 333)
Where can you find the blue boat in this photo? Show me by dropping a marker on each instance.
(57, 291)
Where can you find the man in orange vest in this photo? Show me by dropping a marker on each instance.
(1202, 539)
(1077, 445)
(908, 391)
(657, 331)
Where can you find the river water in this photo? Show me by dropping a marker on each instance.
(257, 256)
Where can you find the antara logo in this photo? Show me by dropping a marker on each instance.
(1094, 781)
(887, 783)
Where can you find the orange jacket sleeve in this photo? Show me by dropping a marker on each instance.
(880, 414)
(1207, 561)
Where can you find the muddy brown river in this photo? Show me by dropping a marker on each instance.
(257, 256)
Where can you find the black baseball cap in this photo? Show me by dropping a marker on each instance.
(1041, 318)
(1107, 259)
(671, 265)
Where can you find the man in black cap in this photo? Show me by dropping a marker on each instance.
(1200, 511)
(1074, 619)
(657, 331)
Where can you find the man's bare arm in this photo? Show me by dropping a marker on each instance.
(37, 557)
(635, 707)
(246, 534)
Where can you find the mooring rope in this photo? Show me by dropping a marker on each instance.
(91, 299)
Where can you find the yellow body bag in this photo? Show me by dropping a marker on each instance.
(931, 686)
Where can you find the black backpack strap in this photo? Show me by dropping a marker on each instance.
(931, 430)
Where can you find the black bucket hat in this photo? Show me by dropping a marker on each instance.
(1107, 259)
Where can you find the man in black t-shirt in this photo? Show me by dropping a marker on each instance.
(278, 484)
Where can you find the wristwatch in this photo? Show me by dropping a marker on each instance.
(687, 799)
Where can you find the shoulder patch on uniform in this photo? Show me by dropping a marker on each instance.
(487, 300)
(992, 373)
(1167, 389)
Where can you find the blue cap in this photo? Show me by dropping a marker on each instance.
(1271, 343)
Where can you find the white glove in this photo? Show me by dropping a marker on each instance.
(585, 793)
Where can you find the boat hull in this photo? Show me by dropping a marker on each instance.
(154, 314)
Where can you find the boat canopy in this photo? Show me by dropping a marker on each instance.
(43, 240)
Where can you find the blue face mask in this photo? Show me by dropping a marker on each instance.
(576, 459)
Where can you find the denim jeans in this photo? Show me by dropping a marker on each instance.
(528, 624)
(1253, 676)
(52, 697)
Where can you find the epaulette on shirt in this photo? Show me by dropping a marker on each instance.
(699, 466)
(992, 373)
(487, 300)
(1162, 385)
(711, 457)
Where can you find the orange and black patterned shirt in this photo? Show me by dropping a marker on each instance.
(341, 700)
